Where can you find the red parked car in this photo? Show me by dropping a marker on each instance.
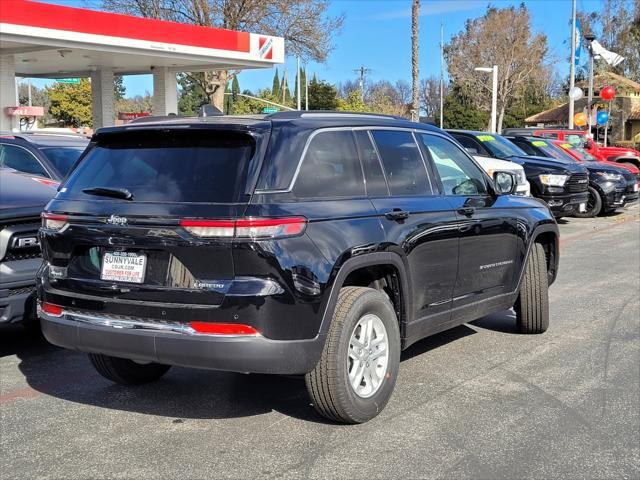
(619, 155)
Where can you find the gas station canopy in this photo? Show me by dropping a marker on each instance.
(53, 41)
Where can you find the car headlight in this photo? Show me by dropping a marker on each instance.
(614, 177)
(553, 180)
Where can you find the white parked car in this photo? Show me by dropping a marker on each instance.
(491, 165)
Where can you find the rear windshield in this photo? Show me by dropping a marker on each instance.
(169, 166)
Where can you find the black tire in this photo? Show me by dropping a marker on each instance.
(532, 305)
(328, 383)
(594, 205)
(125, 371)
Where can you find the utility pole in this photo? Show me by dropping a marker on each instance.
(572, 71)
(441, 73)
(362, 72)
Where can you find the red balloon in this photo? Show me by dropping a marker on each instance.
(607, 93)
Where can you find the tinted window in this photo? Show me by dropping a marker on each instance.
(158, 167)
(62, 158)
(20, 159)
(403, 165)
(458, 173)
(499, 146)
(468, 142)
(376, 184)
(528, 148)
(330, 168)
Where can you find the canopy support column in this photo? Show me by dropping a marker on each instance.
(165, 91)
(102, 93)
(7, 92)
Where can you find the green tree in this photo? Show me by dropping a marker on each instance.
(460, 111)
(119, 90)
(352, 103)
(71, 103)
(322, 95)
(275, 89)
(192, 95)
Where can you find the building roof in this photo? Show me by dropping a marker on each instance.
(621, 84)
(57, 41)
(635, 114)
(558, 114)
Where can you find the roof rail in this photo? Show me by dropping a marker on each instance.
(329, 114)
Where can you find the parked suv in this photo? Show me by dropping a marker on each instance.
(47, 155)
(563, 185)
(318, 244)
(22, 198)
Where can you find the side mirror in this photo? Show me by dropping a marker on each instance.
(471, 150)
(505, 183)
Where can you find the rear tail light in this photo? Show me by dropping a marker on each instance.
(252, 228)
(53, 221)
(211, 328)
(51, 309)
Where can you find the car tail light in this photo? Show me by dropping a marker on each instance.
(212, 328)
(250, 228)
(51, 309)
(209, 228)
(53, 221)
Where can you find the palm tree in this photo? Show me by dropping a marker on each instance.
(415, 103)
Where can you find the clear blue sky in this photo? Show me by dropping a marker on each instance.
(377, 34)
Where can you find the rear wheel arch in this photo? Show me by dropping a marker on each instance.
(628, 161)
(383, 271)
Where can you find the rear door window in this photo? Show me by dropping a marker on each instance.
(376, 183)
(21, 160)
(403, 165)
(330, 167)
(184, 167)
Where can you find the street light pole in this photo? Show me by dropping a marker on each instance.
(494, 94)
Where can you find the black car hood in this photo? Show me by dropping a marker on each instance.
(548, 163)
(600, 167)
(18, 191)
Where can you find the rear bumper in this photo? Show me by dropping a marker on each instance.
(93, 333)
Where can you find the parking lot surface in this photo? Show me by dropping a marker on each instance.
(478, 401)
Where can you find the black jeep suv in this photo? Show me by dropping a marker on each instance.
(298, 243)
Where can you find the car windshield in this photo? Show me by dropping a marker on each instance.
(582, 153)
(187, 167)
(577, 140)
(63, 158)
(552, 150)
(500, 147)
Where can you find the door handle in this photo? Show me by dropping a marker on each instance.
(397, 214)
(467, 211)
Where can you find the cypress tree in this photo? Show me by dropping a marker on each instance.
(275, 89)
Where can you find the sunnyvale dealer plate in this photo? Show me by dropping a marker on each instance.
(123, 267)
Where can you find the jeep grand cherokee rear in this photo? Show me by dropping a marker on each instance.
(303, 243)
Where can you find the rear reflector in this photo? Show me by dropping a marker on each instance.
(53, 221)
(223, 328)
(252, 228)
(51, 309)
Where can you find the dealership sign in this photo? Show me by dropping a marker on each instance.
(24, 111)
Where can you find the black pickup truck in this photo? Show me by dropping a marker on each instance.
(22, 198)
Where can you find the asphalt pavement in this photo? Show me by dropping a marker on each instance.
(478, 401)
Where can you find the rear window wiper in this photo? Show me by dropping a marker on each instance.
(109, 192)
